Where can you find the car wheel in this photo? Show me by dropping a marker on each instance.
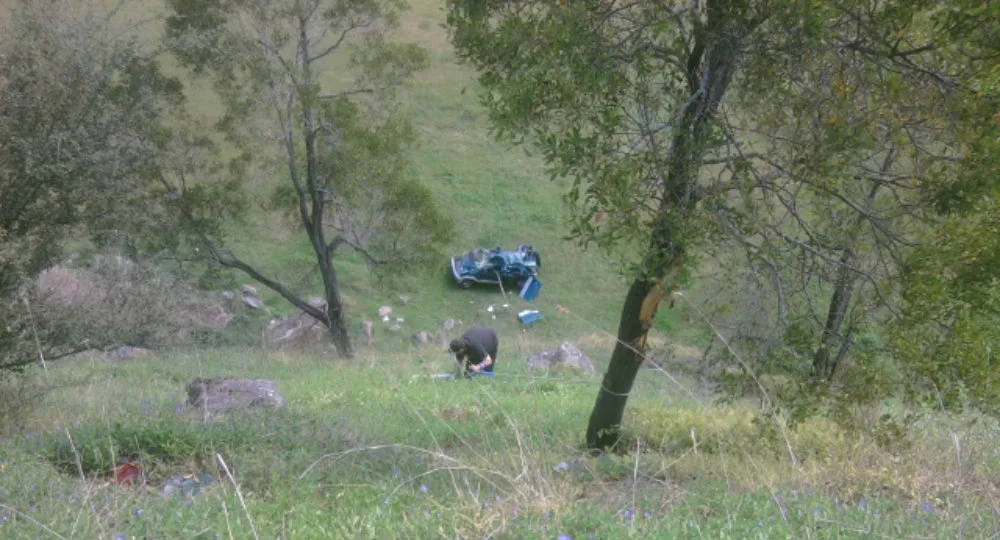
(466, 283)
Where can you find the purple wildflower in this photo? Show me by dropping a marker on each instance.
(138, 512)
(396, 473)
(629, 513)
(565, 536)
(927, 507)
(424, 488)
(120, 537)
(386, 501)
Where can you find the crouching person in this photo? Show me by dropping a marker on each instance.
(476, 352)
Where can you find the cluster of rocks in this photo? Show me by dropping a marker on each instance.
(250, 298)
(300, 330)
(394, 324)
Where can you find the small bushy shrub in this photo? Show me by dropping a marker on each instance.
(96, 448)
(735, 431)
(20, 394)
(672, 430)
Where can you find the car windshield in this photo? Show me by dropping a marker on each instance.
(478, 257)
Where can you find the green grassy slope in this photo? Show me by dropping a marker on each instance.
(375, 448)
(367, 450)
(497, 195)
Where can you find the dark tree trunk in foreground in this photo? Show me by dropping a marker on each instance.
(711, 64)
(602, 430)
(641, 304)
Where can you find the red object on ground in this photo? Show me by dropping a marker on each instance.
(128, 473)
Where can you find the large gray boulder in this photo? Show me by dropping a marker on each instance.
(224, 394)
(566, 356)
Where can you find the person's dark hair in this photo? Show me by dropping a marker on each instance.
(457, 345)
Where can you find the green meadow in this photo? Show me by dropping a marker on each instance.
(376, 447)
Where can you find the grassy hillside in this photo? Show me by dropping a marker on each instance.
(497, 195)
(378, 450)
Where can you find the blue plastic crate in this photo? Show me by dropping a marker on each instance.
(530, 289)
(529, 317)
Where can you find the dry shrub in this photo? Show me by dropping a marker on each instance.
(677, 429)
(943, 461)
(119, 301)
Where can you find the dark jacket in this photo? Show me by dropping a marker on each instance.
(480, 342)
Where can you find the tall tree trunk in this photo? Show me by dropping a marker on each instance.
(335, 316)
(638, 312)
(606, 417)
(824, 365)
(710, 65)
(336, 321)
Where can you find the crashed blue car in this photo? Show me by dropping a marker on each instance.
(495, 266)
